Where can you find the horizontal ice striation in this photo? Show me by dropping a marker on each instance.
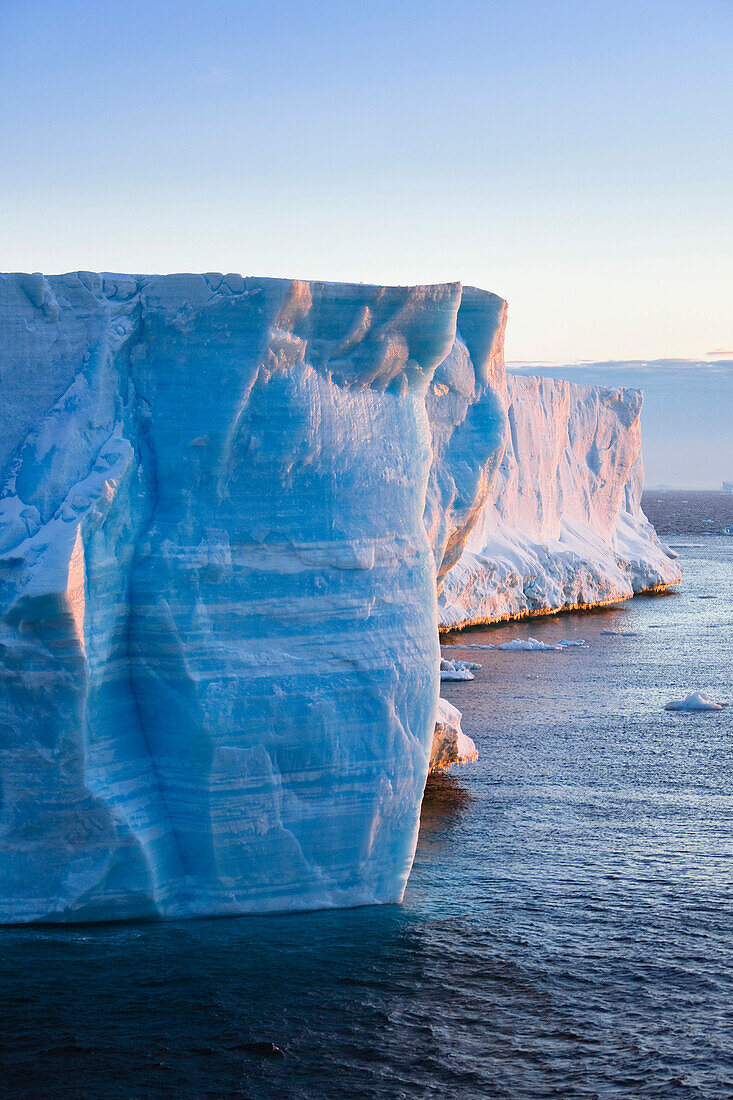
(562, 525)
(218, 643)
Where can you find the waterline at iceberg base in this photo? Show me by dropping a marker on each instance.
(226, 508)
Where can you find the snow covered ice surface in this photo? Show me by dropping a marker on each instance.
(224, 506)
(696, 700)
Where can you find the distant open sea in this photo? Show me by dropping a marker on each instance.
(567, 930)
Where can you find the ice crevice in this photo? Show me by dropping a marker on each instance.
(234, 513)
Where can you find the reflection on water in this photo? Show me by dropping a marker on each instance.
(445, 800)
(566, 930)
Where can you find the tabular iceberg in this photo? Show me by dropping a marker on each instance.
(225, 508)
(561, 525)
(219, 636)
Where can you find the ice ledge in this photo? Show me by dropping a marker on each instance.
(450, 744)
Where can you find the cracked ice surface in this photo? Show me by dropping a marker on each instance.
(212, 539)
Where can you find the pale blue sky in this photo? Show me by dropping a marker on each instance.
(575, 157)
(685, 419)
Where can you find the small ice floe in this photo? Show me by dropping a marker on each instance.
(533, 645)
(620, 633)
(697, 700)
(456, 670)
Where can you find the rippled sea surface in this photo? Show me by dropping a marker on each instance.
(567, 929)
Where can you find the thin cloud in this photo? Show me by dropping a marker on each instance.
(720, 351)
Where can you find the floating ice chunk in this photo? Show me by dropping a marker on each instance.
(696, 700)
(621, 633)
(529, 644)
(472, 665)
(450, 744)
(535, 645)
(521, 644)
(456, 670)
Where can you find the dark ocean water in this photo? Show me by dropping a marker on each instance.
(567, 929)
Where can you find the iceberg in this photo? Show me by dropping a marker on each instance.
(227, 508)
(456, 670)
(696, 700)
(219, 628)
(561, 525)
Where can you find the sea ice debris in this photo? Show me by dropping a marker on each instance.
(450, 744)
(696, 700)
(456, 670)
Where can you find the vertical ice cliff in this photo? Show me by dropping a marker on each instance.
(562, 525)
(466, 405)
(219, 634)
(227, 507)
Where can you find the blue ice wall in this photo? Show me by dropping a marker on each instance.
(218, 643)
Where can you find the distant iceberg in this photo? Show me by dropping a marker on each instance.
(560, 525)
(226, 506)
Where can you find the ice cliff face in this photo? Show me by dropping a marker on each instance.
(224, 503)
(219, 636)
(466, 405)
(562, 524)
